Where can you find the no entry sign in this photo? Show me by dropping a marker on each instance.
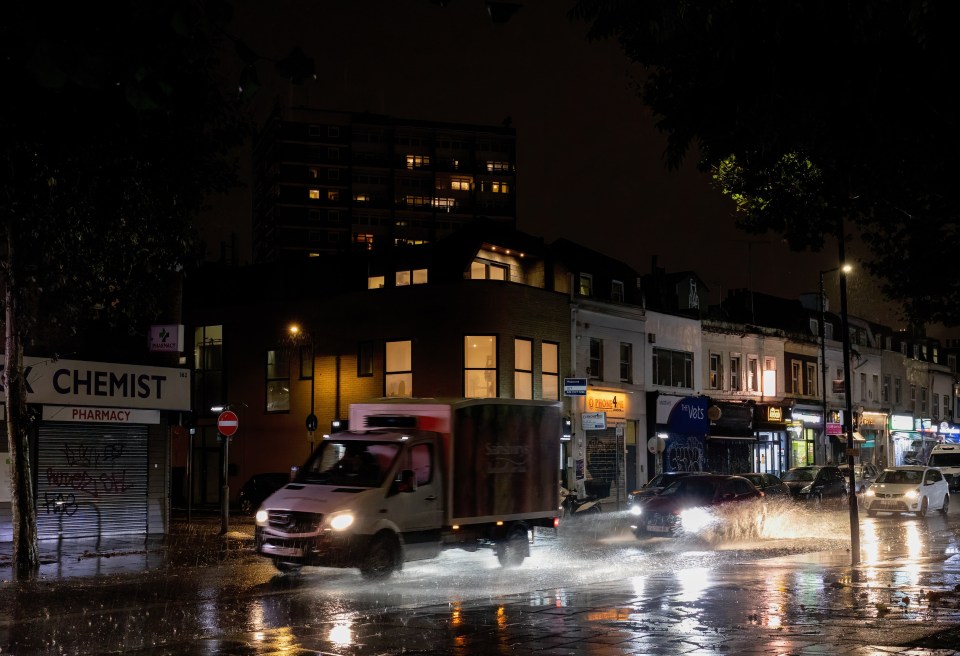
(227, 423)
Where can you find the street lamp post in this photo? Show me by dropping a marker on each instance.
(311, 423)
(848, 415)
(823, 366)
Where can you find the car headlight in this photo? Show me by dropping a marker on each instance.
(261, 517)
(871, 492)
(912, 494)
(806, 490)
(695, 519)
(635, 509)
(341, 522)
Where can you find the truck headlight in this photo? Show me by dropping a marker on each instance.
(261, 517)
(341, 522)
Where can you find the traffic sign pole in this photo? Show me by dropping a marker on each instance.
(227, 425)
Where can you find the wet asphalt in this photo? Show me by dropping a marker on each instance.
(124, 595)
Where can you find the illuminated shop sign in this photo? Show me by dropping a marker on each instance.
(901, 422)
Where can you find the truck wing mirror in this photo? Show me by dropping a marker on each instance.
(407, 482)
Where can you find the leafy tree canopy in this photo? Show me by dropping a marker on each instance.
(811, 111)
(115, 127)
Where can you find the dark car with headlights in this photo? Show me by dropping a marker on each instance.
(815, 483)
(656, 485)
(693, 503)
(769, 484)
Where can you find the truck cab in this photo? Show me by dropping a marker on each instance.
(363, 499)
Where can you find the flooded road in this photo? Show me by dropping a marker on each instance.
(189, 600)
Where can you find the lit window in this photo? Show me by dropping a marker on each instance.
(499, 187)
(550, 370)
(586, 284)
(314, 172)
(445, 203)
(375, 282)
(417, 161)
(523, 368)
(402, 278)
(419, 276)
(487, 270)
(494, 166)
(398, 372)
(480, 366)
(361, 198)
(315, 194)
(461, 184)
(333, 194)
(364, 239)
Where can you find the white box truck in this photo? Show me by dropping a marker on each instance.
(415, 476)
(946, 457)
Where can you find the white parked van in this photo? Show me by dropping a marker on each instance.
(946, 457)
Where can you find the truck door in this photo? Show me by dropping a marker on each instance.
(419, 514)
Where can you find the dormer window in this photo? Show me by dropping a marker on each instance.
(586, 285)
(616, 291)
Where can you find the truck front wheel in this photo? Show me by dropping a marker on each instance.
(513, 548)
(285, 567)
(382, 559)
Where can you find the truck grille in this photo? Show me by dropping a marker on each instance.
(294, 522)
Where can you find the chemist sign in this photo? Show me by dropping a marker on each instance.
(103, 384)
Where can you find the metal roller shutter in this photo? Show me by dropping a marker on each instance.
(92, 480)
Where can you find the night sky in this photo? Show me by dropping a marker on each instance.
(589, 160)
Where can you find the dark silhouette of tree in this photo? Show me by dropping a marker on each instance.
(115, 127)
(809, 112)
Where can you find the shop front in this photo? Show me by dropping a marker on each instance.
(770, 427)
(731, 441)
(807, 440)
(676, 438)
(102, 445)
(607, 437)
(875, 447)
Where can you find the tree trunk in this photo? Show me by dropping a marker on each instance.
(26, 553)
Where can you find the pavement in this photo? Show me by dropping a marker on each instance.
(810, 604)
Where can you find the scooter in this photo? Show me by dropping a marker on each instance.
(571, 505)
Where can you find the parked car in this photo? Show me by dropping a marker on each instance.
(258, 487)
(815, 483)
(655, 485)
(769, 484)
(910, 488)
(692, 503)
(864, 474)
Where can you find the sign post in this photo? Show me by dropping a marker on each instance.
(227, 425)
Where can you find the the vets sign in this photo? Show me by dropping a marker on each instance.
(73, 382)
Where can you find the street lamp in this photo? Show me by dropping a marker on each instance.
(846, 268)
(311, 423)
(847, 392)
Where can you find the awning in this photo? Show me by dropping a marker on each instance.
(842, 438)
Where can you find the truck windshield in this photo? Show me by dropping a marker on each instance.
(951, 459)
(349, 462)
